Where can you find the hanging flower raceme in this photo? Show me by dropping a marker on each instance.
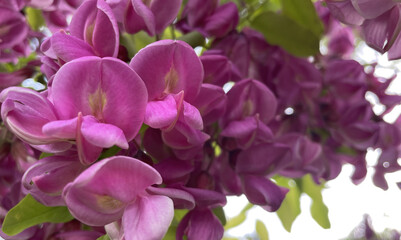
(84, 105)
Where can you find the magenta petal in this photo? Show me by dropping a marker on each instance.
(50, 175)
(87, 153)
(56, 147)
(173, 171)
(25, 112)
(146, 15)
(79, 235)
(183, 136)
(161, 114)
(206, 198)
(92, 209)
(82, 20)
(204, 225)
(192, 116)
(148, 218)
(395, 50)
(13, 28)
(9, 79)
(181, 198)
(218, 69)
(377, 32)
(64, 129)
(164, 16)
(223, 20)
(134, 23)
(49, 66)
(94, 23)
(249, 97)
(106, 176)
(262, 191)
(344, 11)
(211, 102)
(103, 135)
(97, 197)
(254, 161)
(88, 85)
(105, 33)
(370, 9)
(240, 129)
(197, 10)
(67, 47)
(153, 144)
(169, 66)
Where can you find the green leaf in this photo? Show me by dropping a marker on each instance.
(28, 212)
(34, 17)
(237, 220)
(219, 212)
(284, 32)
(43, 155)
(170, 235)
(179, 214)
(104, 237)
(135, 42)
(194, 39)
(261, 230)
(110, 152)
(290, 208)
(320, 213)
(319, 210)
(304, 13)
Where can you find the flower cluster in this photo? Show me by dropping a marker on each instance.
(122, 141)
(379, 21)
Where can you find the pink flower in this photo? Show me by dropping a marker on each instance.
(97, 197)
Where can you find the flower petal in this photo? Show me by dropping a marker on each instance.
(148, 218)
(161, 114)
(169, 66)
(103, 135)
(88, 85)
(25, 112)
(262, 191)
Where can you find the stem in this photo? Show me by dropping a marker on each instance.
(172, 28)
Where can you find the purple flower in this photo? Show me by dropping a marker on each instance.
(208, 18)
(151, 16)
(200, 224)
(379, 21)
(250, 106)
(46, 179)
(14, 30)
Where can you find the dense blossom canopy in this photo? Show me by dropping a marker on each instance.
(152, 112)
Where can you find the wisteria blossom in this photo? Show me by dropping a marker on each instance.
(145, 115)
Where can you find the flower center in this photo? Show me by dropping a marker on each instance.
(109, 203)
(170, 80)
(97, 102)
